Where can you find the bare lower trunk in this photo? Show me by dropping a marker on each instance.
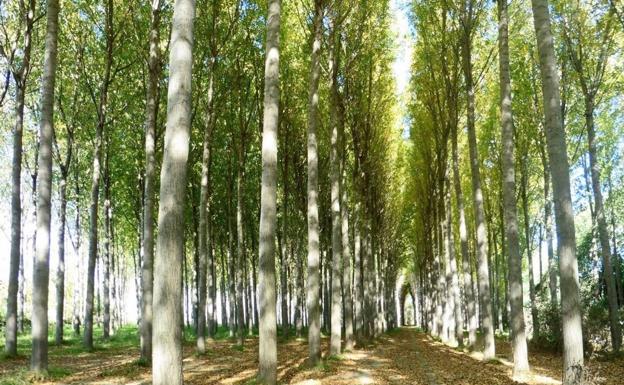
(346, 265)
(358, 288)
(455, 293)
(95, 181)
(525, 210)
(167, 333)
(564, 215)
(204, 219)
(336, 220)
(60, 271)
(479, 211)
(21, 76)
(603, 234)
(514, 258)
(314, 279)
(463, 236)
(41, 267)
(240, 256)
(267, 360)
(553, 270)
(106, 286)
(151, 112)
(10, 347)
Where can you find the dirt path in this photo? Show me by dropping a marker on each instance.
(404, 356)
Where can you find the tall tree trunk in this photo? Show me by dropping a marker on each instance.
(346, 247)
(224, 302)
(95, 181)
(41, 268)
(211, 303)
(314, 279)
(603, 233)
(463, 237)
(267, 365)
(489, 350)
(564, 215)
(10, 347)
(106, 287)
(240, 252)
(167, 333)
(334, 172)
(231, 267)
(552, 263)
(284, 243)
(20, 76)
(455, 292)
(514, 258)
(151, 113)
(449, 333)
(527, 236)
(78, 249)
(205, 253)
(60, 272)
(358, 288)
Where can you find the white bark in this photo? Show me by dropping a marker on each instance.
(41, 268)
(167, 332)
(267, 365)
(514, 258)
(564, 214)
(314, 278)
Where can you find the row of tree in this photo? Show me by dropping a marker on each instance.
(227, 203)
(468, 248)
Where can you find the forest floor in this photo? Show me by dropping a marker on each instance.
(403, 356)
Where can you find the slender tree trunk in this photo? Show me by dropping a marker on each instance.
(78, 249)
(346, 256)
(514, 258)
(41, 268)
(527, 236)
(95, 182)
(60, 271)
(552, 263)
(205, 254)
(449, 333)
(20, 76)
(21, 294)
(151, 112)
(267, 361)
(240, 253)
(167, 333)
(564, 215)
(107, 250)
(336, 226)
(284, 244)
(454, 282)
(254, 276)
(314, 279)
(211, 305)
(358, 288)
(463, 236)
(224, 302)
(603, 233)
(10, 347)
(489, 350)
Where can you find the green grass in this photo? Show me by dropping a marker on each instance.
(18, 378)
(23, 376)
(126, 337)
